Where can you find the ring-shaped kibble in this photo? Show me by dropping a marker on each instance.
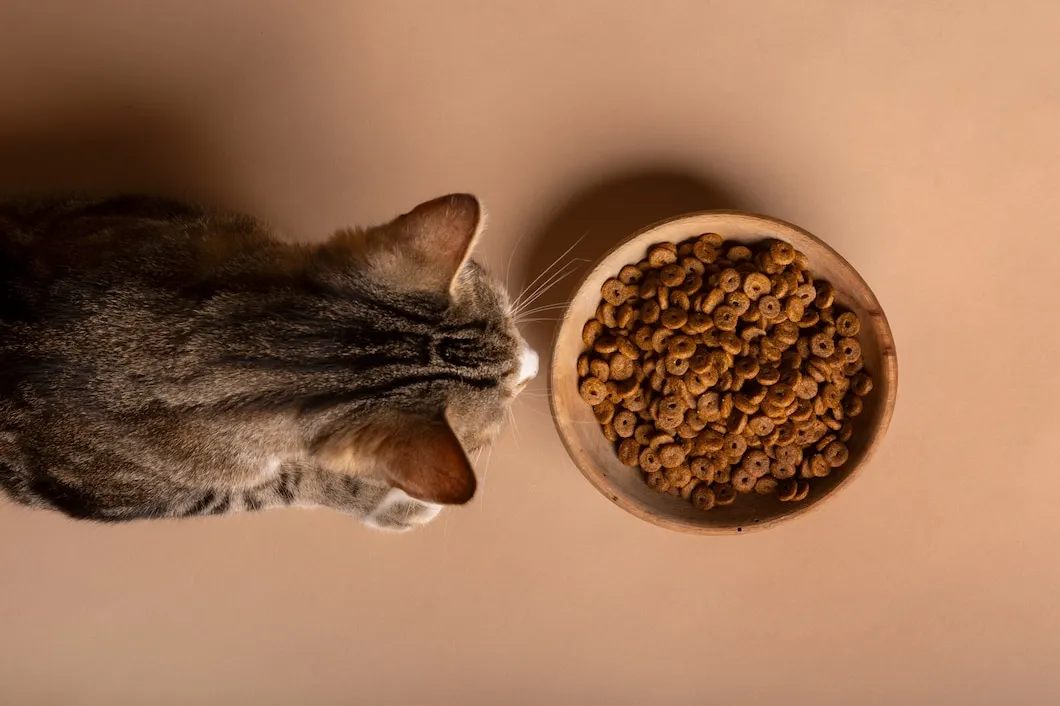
(852, 405)
(787, 434)
(702, 469)
(786, 332)
(669, 421)
(781, 253)
(600, 369)
(649, 461)
(794, 309)
(621, 367)
(789, 455)
(790, 377)
(659, 339)
(723, 471)
(696, 383)
(660, 256)
(766, 486)
(702, 498)
(729, 280)
(768, 375)
(649, 312)
(724, 494)
(730, 343)
(846, 431)
(698, 323)
(649, 288)
(726, 318)
(826, 439)
(676, 366)
(672, 275)
(674, 319)
(781, 471)
(825, 295)
(739, 301)
(756, 285)
(714, 299)
(614, 292)
(861, 384)
(807, 293)
(679, 476)
(709, 405)
(850, 369)
(737, 423)
(761, 425)
(780, 395)
(738, 253)
(628, 348)
(659, 440)
(609, 433)
(625, 388)
(680, 300)
(756, 462)
(847, 324)
(637, 401)
(836, 454)
(742, 481)
(693, 266)
(657, 482)
(849, 349)
(786, 489)
(604, 411)
(747, 368)
(821, 345)
(735, 446)
(704, 251)
(583, 365)
(606, 314)
(629, 452)
(819, 466)
(692, 284)
(593, 390)
(606, 345)
(804, 490)
(809, 319)
(643, 434)
(695, 421)
(744, 403)
(681, 346)
(806, 389)
(769, 307)
(625, 423)
(630, 274)
(671, 455)
(592, 330)
(624, 315)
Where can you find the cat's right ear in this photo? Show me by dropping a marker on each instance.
(424, 249)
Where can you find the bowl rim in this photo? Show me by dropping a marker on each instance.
(889, 365)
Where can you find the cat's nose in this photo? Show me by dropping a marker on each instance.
(527, 365)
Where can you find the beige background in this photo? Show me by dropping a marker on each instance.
(919, 138)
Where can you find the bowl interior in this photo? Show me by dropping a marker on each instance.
(594, 454)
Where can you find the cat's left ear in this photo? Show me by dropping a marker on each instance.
(440, 234)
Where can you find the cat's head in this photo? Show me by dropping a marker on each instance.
(475, 362)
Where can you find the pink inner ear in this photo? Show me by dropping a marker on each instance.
(427, 461)
(443, 231)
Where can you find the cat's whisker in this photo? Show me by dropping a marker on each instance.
(528, 296)
(538, 309)
(485, 472)
(555, 262)
(511, 256)
(550, 283)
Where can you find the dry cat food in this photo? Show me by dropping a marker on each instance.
(722, 370)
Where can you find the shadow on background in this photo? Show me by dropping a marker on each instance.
(105, 145)
(602, 215)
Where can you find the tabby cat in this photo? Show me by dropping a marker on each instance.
(162, 360)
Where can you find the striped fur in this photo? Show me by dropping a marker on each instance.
(162, 360)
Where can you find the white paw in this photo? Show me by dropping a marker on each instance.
(398, 512)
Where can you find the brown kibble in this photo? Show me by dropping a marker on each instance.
(657, 482)
(738, 301)
(729, 280)
(787, 489)
(714, 298)
(678, 476)
(861, 384)
(630, 274)
(825, 295)
(738, 252)
(724, 494)
(836, 454)
(609, 432)
(643, 434)
(735, 446)
(674, 318)
(769, 307)
(804, 490)
(781, 471)
(847, 324)
(593, 390)
(726, 318)
(600, 369)
(650, 311)
(649, 460)
(781, 253)
(604, 412)
(671, 455)
(794, 309)
(583, 365)
(756, 285)
(629, 452)
(704, 251)
(761, 425)
(621, 367)
(615, 292)
(672, 275)
(688, 488)
(660, 256)
(756, 462)
(606, 345)
(742, 481)
(625, 423)
(849, 349)
(659, 339)
(819, 466)
(852, 405)
(592, 330)
(702, 498)
(766, 486)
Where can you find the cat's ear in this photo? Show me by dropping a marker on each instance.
(440, 234)
(429, 464)
(421, 456)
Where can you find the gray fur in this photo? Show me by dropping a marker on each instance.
(155, 358)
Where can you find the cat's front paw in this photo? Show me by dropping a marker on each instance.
(397, 512)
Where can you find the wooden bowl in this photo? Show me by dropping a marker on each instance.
(594, 455)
